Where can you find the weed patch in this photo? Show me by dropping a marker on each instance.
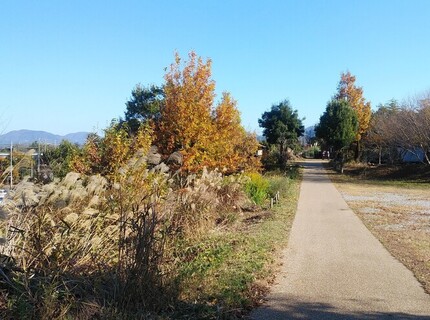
(230, 269)
(257, 188)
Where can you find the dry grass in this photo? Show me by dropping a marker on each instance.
(139, 246)
(77, 261)
(398, 214)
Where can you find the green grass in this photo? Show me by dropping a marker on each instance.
(257, 188)
(221, 281)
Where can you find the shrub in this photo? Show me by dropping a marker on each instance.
(312, 152)
(270, 158)
(257, 188)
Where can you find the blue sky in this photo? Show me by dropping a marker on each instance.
(68, 66)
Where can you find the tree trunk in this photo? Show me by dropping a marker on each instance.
(426, 155)
(357, 151)
(281, 155)
(380, 155)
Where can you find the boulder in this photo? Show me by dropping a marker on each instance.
(94, 202)
(175, 158)
(153, 157)
(26, 194)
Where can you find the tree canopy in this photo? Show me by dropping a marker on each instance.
(348, 91)
(338, 125)
(106, 155)
(144, 105)
(402, 127)
(282, 126)
(206, 135)
(59, 158)
(180, 116)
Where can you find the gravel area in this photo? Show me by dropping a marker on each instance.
(390, 198)
(398, 216)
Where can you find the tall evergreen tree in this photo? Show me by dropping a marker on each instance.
(338, 125)
(144, 105)
(282, 127)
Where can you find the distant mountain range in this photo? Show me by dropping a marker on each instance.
(310, 132)
(25, 137)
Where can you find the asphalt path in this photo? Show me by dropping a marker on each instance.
(334, 268)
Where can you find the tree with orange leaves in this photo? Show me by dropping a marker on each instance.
(189, 123)
(229, 134)
(347, 90)
(185, 121)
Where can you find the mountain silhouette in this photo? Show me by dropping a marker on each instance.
(26, 137)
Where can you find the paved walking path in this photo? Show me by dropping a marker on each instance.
(334, 268)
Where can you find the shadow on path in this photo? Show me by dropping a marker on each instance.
(322, 311)
(315, 171)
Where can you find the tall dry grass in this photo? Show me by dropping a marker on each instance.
(85, 258)
(110, 250)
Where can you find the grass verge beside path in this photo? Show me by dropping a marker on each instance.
(234, 266)
(396, 209)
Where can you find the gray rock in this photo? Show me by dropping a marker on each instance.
(175, 158)
(77, 194)
(153, 149)
(60, 204)
(153, 157)
(26, 194)
(3, 214)
(94, 202)
(46, 192)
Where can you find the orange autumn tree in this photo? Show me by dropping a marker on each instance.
(247, 150)
(347, 90)
(189, 123)
(185, 122)
(235, 148)
(229, 133)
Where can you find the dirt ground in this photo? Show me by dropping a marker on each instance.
(397, 213)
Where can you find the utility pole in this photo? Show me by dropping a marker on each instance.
(38, 158)
(11, 165)
(31, 167)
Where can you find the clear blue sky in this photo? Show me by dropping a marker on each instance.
(68, 66)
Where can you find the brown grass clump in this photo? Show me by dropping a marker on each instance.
(74, 255)
(204, 201)
(90, 247)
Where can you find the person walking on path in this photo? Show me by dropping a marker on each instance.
(334, 268)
